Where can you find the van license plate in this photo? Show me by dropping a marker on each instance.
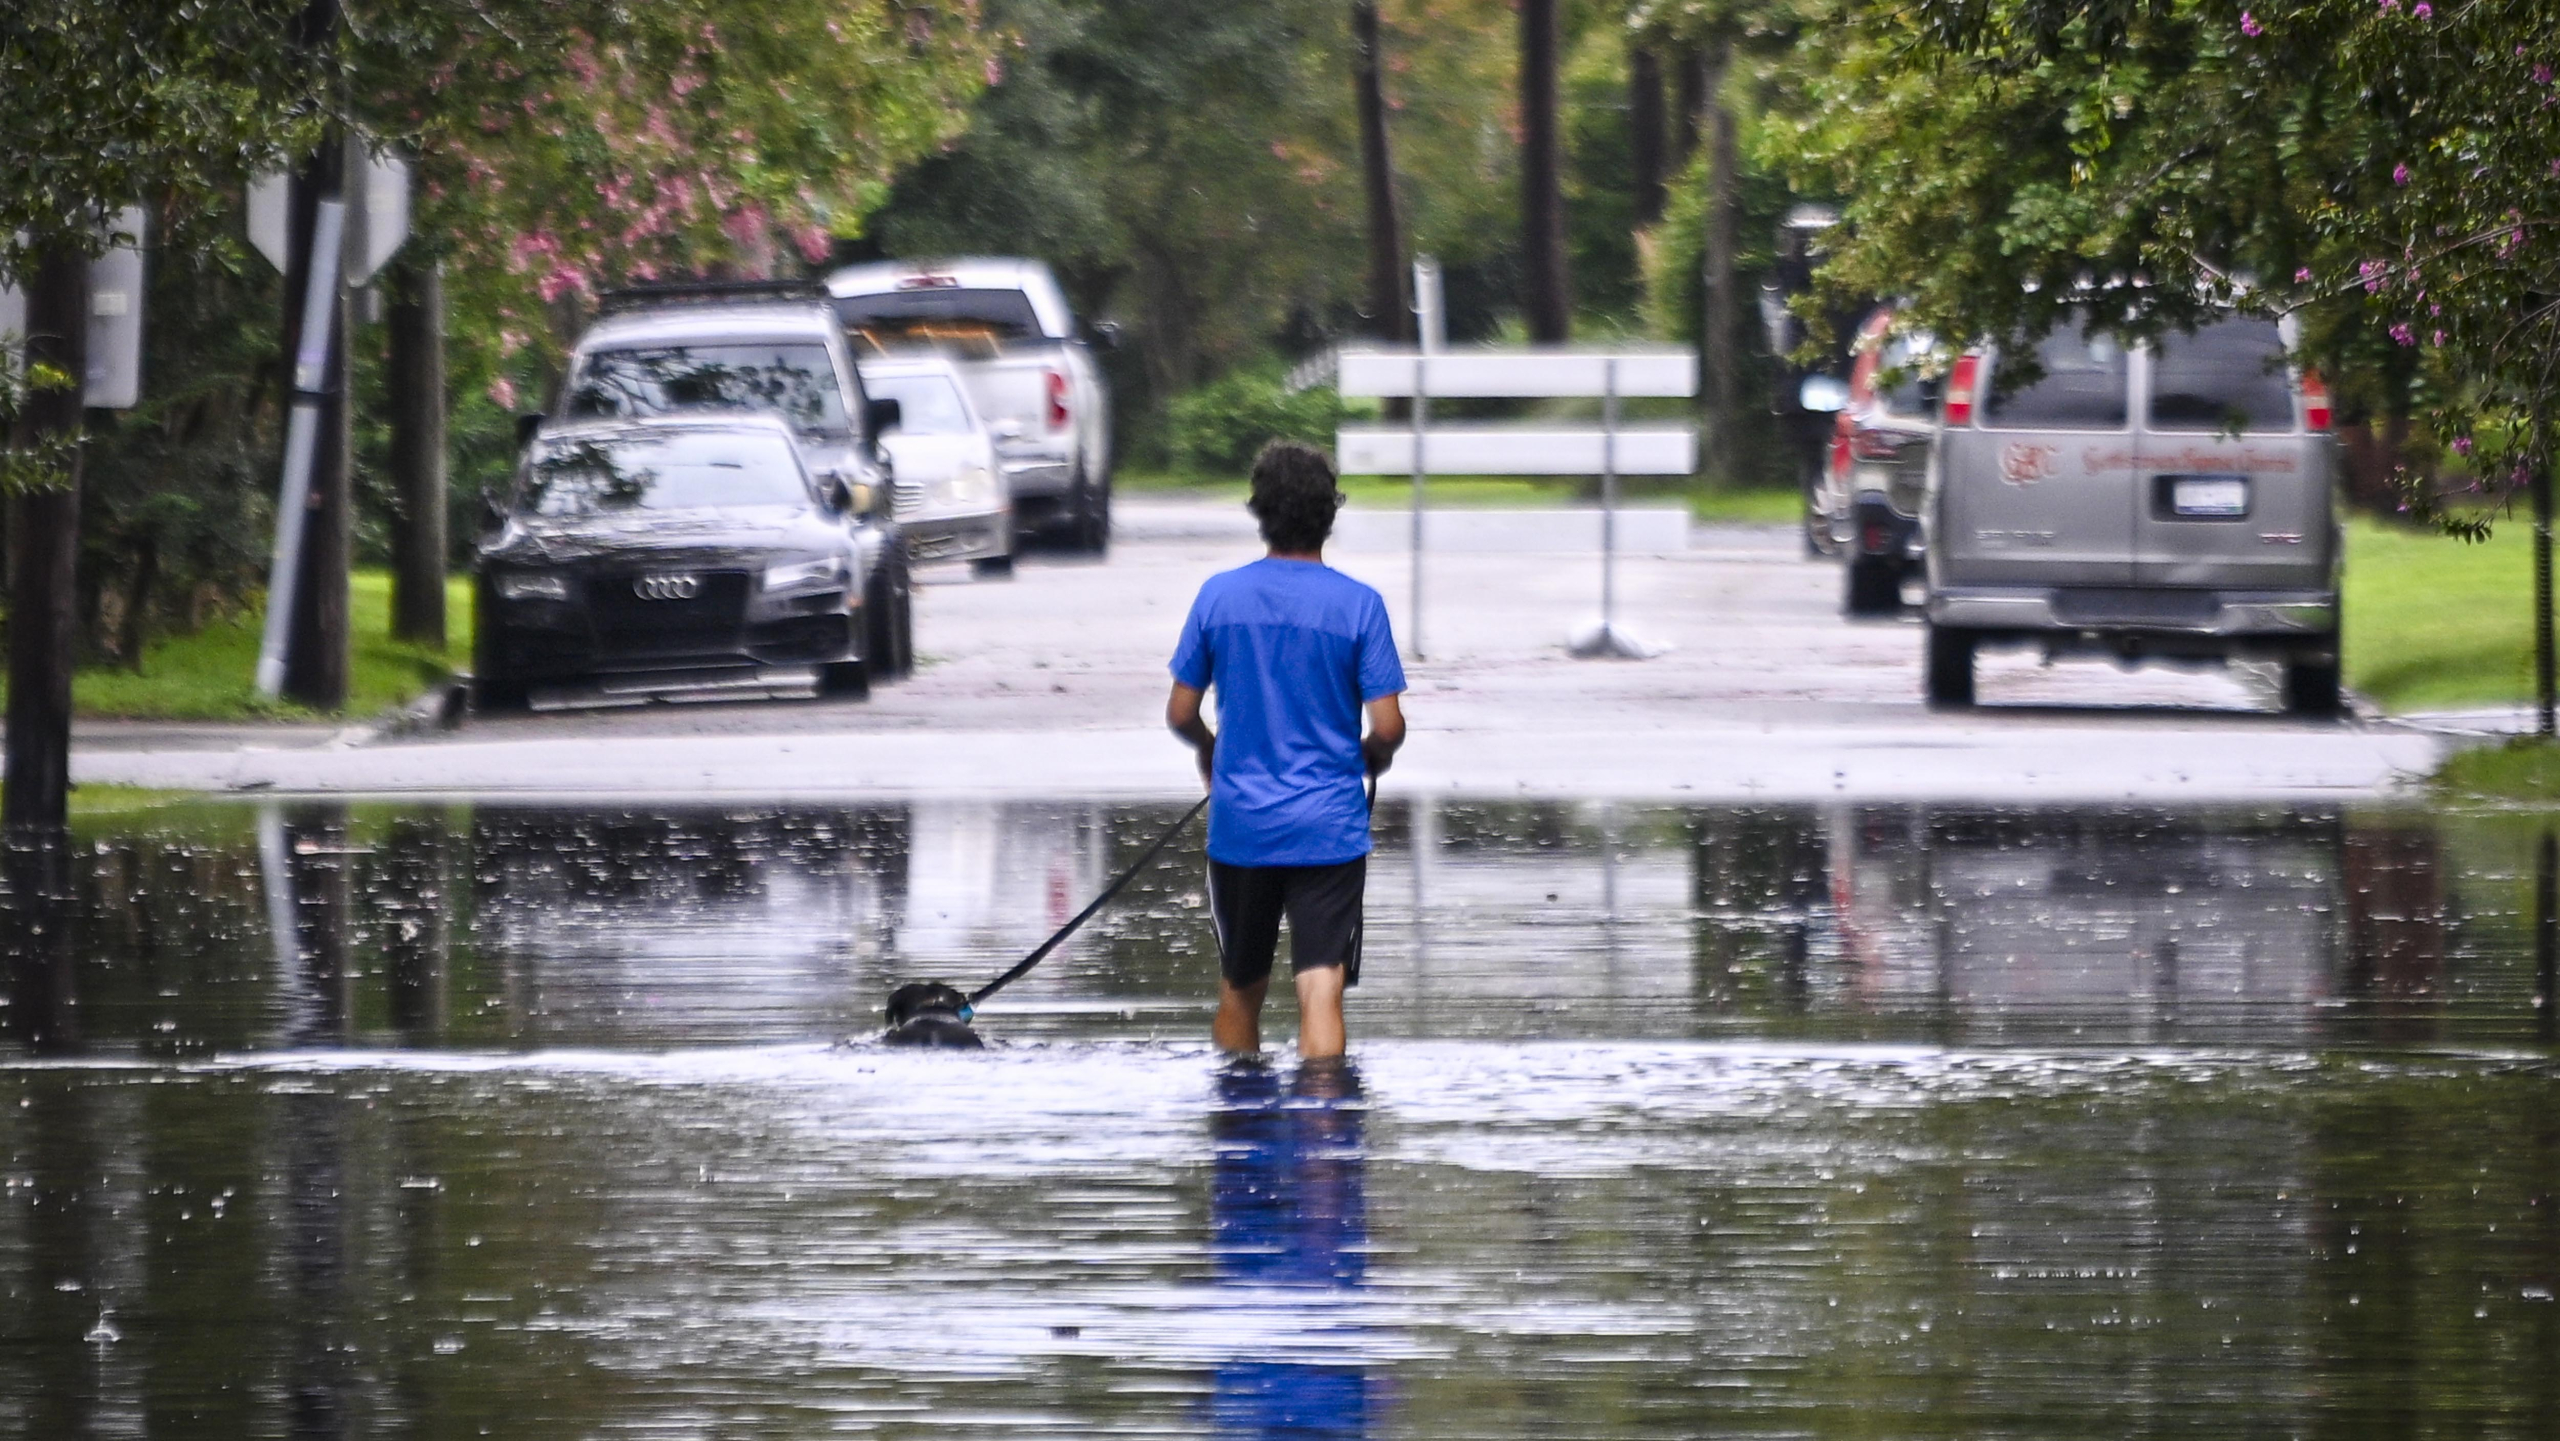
(2218, 497)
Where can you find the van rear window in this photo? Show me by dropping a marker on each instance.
(2228, 376)
(2081, 386)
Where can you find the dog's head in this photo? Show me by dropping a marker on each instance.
(915, 998)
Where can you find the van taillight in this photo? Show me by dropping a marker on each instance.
(1057, 400)
(2315, 401)
(1960, 383)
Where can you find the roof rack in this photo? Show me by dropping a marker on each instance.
(707, 292)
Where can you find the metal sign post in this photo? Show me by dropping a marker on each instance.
(1429, 325)
(344, 246)
(301, 438)
(1607, 642)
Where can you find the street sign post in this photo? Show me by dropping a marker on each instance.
(113, 380)
(353, 233)
(1609, 451)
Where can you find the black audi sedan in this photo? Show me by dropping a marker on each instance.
(681, 557)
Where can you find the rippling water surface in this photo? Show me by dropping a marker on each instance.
(1783, 1122)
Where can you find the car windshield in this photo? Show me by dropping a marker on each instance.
(927, 404)
(794, 380)
(693, 471)
(2075, 382)
(928, 315)
(2228, 376)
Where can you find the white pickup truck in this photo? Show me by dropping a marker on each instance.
(1029, 368)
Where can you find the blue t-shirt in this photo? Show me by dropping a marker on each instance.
(1294, 649)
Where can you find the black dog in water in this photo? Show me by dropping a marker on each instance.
(930, 1014)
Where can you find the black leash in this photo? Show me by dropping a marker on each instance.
(1023, 966)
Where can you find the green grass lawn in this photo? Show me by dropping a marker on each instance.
(2432, 623)
(208, 676)
(2525, 770)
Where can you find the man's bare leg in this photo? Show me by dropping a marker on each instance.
(1238, 1026)
(1320, 1013)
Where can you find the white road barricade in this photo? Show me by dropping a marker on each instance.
(1650, 531)
(1478, 372)
(1517, 450)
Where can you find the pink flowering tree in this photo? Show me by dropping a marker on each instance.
(580, 145)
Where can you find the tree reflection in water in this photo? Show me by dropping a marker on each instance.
(1289, 1214)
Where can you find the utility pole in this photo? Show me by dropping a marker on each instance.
(1548, 299)
(44, 548)
(1389, 305)
(415, 376)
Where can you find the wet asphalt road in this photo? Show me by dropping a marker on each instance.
(1052, 683)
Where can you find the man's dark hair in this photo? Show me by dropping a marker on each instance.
(1294, 496)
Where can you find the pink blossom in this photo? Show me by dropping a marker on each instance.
(2399, 174)
(995, 70)
(559, 282)
(2303, 274)
(2437, 340)
(2404, 335)
(813, 240)
(2249, 25)
(2422, 9)
(2542, 75)
(2462, 445)
(502, 393)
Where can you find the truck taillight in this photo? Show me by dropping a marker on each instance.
(1869, 444)
(2315, 401)
(1057, 400)
(1960, 382)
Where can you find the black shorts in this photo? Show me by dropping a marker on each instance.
(1321, 902)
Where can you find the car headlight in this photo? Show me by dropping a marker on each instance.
(804, 574)
(530, 586)
(970, 485)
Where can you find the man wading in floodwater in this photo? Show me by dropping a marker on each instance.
(1295, 649)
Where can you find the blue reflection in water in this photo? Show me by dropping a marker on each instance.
(1288, 1214)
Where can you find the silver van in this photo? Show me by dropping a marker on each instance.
(2163, 502)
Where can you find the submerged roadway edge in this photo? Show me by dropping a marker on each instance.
(1970, 762)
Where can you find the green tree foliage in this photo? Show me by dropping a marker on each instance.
(108, 101)
(1193, 171)
(2383, 168)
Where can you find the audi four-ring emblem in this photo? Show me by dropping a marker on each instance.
(667, 587)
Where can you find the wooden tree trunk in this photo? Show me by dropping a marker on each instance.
(1390, 299)
(1644, 131)
(1688, 97)
(137, 603)
(44, 545)
(415, 377)
(1717, 335)
(1547, 292)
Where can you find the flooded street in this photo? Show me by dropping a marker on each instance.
(450, 1121)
